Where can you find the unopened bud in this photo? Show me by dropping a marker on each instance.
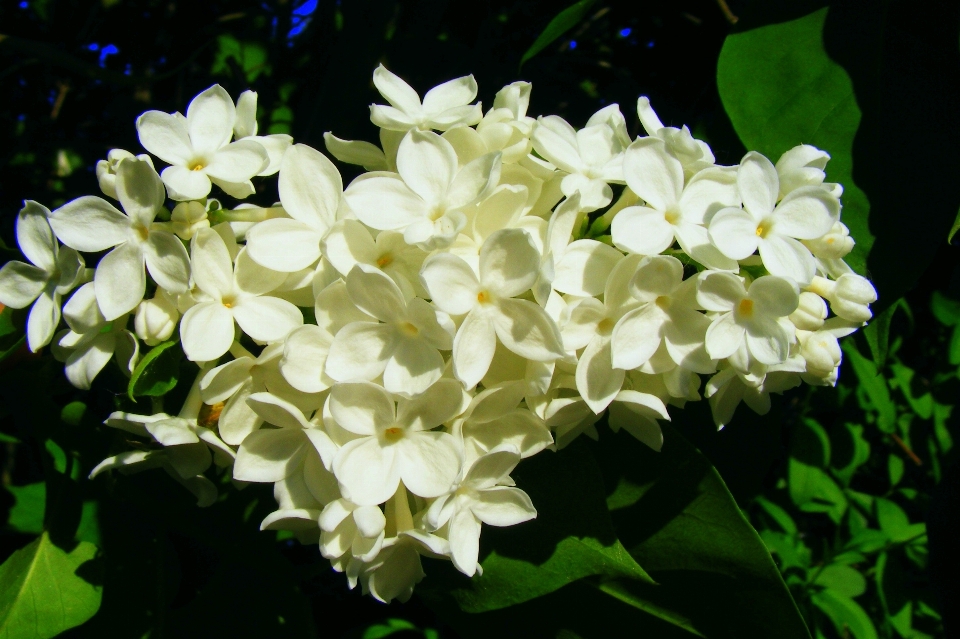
(822, 353)
(834, 245)
(188, 218)
(801, 166)
(155, 319)
(810, 313)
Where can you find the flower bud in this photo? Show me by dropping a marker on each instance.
(852, 298)
(188, 218)
(810, 313)
(822, 353)
(801, 166)
(155, 319)
(107, 170)
(834, 245)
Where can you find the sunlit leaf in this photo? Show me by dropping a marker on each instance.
(41, 592)
(158, 371)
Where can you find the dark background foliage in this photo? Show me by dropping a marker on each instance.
(74, 75)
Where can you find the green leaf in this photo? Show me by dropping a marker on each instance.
(12, 337)
(895, 523)
(853, 452)
(158, 371)
(41, 594)
(922, 405)
(813, 491)
(874, 385)
(26, 515)
(846, 614)
(687, 531)
(563, 22)
(572, 534)
(945, 309)
(780, 89)
(393, 626)
(810, 443)
(894, 469)
(715, 575)
(954, 229)
(842, 579)
(877, 334)
(779, 515)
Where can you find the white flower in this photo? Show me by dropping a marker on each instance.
(835, 245)
(443, 107)
(92, 224)
(404, 348)
(245, 128)
(107, 170)
(485, 494)
(348, 527)
(310, 189)
(93, 341)
(748, 317)
(801, 166)
(494, 418)
(592, 156)
(673, 211)
(425, 202)
(349, 243)
(667, 314)
(509, 263)
(198, 148)
(693, 154)
(273, 454)
(240, 294)
(52, 272)
(396, 442)
(806, 213)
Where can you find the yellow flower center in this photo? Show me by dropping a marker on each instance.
(746, 307)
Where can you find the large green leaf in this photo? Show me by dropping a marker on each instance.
(570, 539)
(41, 594)
(847, 616)
(671, 510)
(780, 89)
(686, 530)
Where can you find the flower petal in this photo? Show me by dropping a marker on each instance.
(734, 232)
(238, 162)
(139, 190)
(167, 261)
(165, 135)
(450, 94)
(450, 282)
(427, 163)
(270, 455)
(360, 351)
(20, 284)
(509, 262)
(184, 184)
(304, 358)
(642, 230)
(120, 280)
(361, 407)
(367, 472)
(597, 380)
(206, 331)
(385, 203)
(90, 224)
(473, 348)
(395, 90)
(210, 118)
(265, 318)
(526, 329)
(35, 237)
(787, 257)
(428, 462)
(758, 184)
(310, 187)
(653, 173)
(503, 506)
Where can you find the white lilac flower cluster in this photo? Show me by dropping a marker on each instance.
(475, 297)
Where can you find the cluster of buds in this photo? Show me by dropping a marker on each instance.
(386, 354)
